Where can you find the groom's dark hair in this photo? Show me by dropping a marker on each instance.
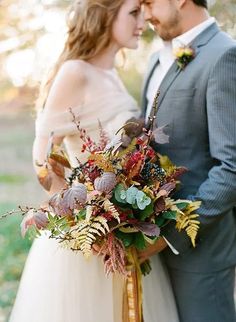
(201, 3)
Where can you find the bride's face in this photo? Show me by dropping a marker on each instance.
(129, 24)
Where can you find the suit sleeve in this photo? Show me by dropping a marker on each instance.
(218, 192)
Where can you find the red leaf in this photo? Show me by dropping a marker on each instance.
(178, 172)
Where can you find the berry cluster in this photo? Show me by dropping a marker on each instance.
(153, 171)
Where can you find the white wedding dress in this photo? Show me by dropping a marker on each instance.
(60, 285)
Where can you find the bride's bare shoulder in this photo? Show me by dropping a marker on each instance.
(69, 86)
(72, 71)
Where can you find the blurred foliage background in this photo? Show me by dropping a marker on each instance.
(31, 37)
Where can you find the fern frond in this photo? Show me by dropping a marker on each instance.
(89, 212)
(108, 206)
(188, 221)
(102, 221)
(85, 233)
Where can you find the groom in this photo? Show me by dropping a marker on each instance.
(198, 103)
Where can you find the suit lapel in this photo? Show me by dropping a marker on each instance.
(169, 78)
(203, 38)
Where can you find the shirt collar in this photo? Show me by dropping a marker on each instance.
(186, 38)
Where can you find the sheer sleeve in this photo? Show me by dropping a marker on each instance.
(59, 125)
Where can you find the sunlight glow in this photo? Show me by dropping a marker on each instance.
(20, 65)
(29, 65)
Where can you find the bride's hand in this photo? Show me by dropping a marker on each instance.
(152, 250)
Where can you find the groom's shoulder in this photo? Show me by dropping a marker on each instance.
(221, 43)
(219, 48)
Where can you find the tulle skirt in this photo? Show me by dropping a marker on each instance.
(59, 285)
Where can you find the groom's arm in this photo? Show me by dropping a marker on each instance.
(218, 192)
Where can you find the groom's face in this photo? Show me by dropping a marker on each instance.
(164, 16)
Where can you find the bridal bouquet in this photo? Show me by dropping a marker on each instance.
(117, 200)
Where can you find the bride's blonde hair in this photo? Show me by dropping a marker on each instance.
(89, 33)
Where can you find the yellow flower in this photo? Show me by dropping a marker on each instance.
(184, 55)
(179, 52)
(188, 51)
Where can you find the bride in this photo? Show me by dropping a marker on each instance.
(59, 285)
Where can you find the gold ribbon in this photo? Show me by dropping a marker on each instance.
(132, 310)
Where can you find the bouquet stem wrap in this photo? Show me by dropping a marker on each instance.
(132, 296)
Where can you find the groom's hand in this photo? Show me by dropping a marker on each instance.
(151, 250)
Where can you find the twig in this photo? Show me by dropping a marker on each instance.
(152, 116)
(15, 211)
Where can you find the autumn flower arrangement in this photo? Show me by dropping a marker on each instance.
(118, 199)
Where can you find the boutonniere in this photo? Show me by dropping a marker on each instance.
(184, 55)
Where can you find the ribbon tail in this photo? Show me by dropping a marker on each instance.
(132, 297)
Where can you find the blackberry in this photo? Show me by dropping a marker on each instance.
(152, 171)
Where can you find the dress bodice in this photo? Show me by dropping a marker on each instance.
(111, 107)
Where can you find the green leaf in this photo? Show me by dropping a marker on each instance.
(146, 267)
(146, 212)
(33, 232)
(51, 217)
(169, 215)
(127, 239)
(61, 221)
(142, 200)
(81, 214)
(120, 193)
(160, 221)
(134, 206)
(139, 241)
(131, 194)
(182, 205)
(56, 233)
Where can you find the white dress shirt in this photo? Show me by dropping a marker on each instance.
(167, 58)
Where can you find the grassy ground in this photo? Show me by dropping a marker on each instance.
(18, 186)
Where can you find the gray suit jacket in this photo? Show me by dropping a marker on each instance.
(199, 106)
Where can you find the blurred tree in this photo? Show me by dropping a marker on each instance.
(225, 12)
